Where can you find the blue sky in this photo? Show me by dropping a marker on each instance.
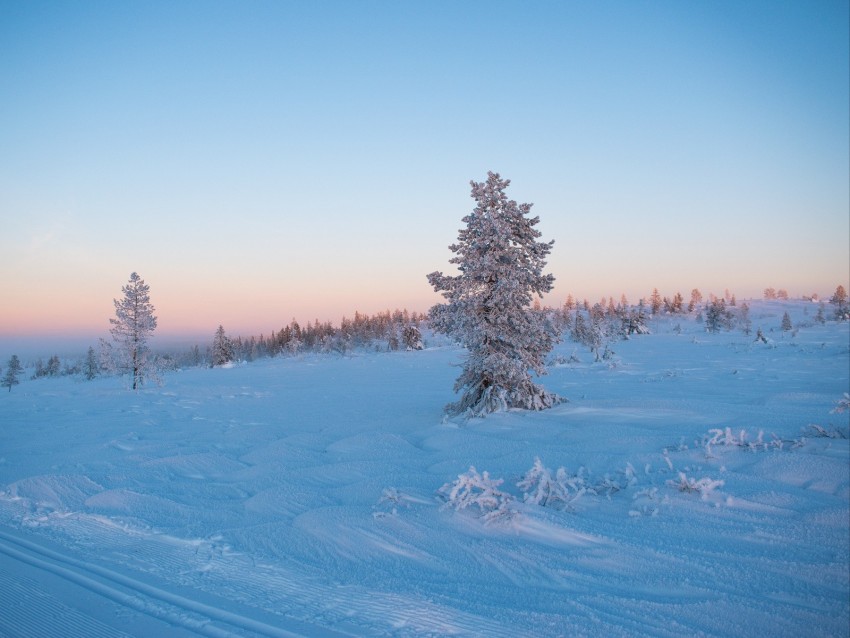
(259, 161)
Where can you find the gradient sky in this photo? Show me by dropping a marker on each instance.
(259, 161)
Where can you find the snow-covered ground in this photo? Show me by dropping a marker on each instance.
(299, 496)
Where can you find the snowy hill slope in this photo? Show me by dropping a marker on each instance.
(300, 496)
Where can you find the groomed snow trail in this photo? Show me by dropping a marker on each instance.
(175, 610)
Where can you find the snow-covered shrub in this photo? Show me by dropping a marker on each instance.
(819, 432)
(620, 481)
(727, 438)
(474, 489)
(541, 488)
(761, 338)
(646, 503)
(842, 405)
(703, 486)
(389, 502)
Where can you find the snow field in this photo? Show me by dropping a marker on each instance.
(299, 496)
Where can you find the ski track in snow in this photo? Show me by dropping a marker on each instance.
(174, 609)
(247, 501)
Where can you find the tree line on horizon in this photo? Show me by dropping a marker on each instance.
(594, 326)
(390, 331)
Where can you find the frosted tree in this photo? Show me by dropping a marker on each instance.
(13, 369)
(696, 299)
(786, 322)
(501, 268)
(744, 318)
(132, 326)
(839, 298)
(590, 332)
(54, 366)
(222, 348)
(412, 337)
(90, 365)
(655, 301)
(717, 316)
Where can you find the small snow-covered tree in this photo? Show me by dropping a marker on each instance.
(744, 318)
(696, 299)
(90, 366)
(839, 298)
(786, 322)
(655, 301)
(54, 366)
(222, 348)
(590, 333)
(718, 316)
(13, 369)
(393, 342)
(412, 338)
(704, 486)
(132, 326)
(501, 268)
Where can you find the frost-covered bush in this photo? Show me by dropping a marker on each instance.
(727, 438)
(646, 503)
(842, 405)
(563, 489)
(819, 432)
(611, 484)
(389, 503)
(541, 488)
(704, 486)
(478, 490)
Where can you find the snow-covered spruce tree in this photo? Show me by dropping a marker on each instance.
(412, 337)
(744, 318)
(842, 309)
(90, 365)
(696, 299)
(655, 301)
(13, 369)
(131, 328)
(500, 263)
(717, 316)
(222, 348)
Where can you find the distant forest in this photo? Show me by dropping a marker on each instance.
(592, 325)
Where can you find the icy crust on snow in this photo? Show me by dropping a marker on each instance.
(304, 496)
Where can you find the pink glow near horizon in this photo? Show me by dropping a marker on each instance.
(254, 315)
